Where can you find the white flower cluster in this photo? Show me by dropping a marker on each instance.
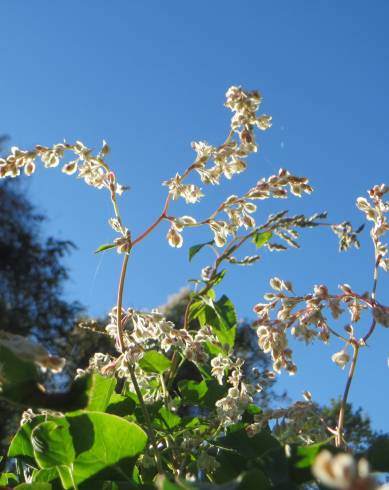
(273, 339)
(190, 192)
(239, 210)
(143, 330)
(174, 236)
(308, 322)
(346, 235)
(102, 363)
(376, 212)
(245, 106)
(343, 472)
(227, 159)
(231, 408)
(276, 186)
(92, 169)
(291, 421)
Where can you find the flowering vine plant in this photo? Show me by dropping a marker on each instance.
(137, 419)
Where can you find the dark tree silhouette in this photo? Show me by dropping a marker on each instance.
(32, 277)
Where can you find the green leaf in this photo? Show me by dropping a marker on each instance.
(196, 309)
(18, 377)
(226, 311)
(220, 315)
(192, 391)
(225, 325)
(34, 486)
(261, 452)
(95, 445)
(106, 246)
(100, 390)
(378, 454)
(14, 369)
(196, 248)
(300, 460)
(166, 419)
(7, 478)
(154, 362)
(46, 475)
(249, 447)
(259, 239)
(250, 412)
(231, 466)
(53, 444)
(218, 278)
(25, 390)
(307, 454)
(121, 405)
(21, 446)
(215, 391)
(105, 442)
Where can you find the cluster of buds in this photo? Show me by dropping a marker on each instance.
(239, 210)
(174, 236)
(291, 422)
(190, 192)
(347, 236)
(91, 168)
(304, 317)
(245, 105)
(247, 260)
(276, 186)
(147, 330)
(376, 211)
(341, 471)
(228, 158)
(231, 407)
(99, 362)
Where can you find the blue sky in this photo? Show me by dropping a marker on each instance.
(150, 77)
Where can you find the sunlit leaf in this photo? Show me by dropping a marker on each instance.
(196, 249)
(259, 239)
(154, 362)
(106, 246)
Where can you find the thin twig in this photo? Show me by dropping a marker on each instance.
(147, 419)
(120, 334)
(371, 330)
(339, 436)
(155, 224)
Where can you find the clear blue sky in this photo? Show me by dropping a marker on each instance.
(150, 77)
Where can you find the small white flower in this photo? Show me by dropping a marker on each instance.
(70, 168)
(340, 358)
(174, 237)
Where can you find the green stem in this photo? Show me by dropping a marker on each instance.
(339, 441)
(120, 334)
(147, 419)
(72, 478)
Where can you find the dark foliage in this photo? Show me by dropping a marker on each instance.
(32, 276)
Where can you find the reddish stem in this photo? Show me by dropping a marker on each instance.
(155, 224)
